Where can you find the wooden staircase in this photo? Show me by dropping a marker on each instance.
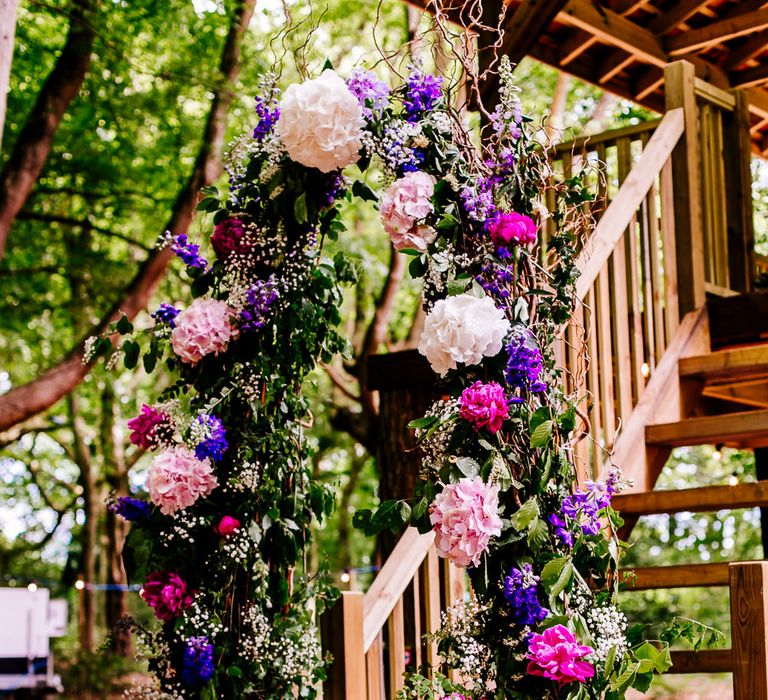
(668, 347)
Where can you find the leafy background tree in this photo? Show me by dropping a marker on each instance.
(142, 117)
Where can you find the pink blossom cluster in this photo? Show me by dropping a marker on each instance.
(404, 207)
(227, 526)
(167, 593)
(464, 517)
(557, 655)
(204, 328)
(177, 478)
(144, 425)
(512, 228)
(484, 405)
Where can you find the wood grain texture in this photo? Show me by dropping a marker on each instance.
(681, 576)
(698, 500)
(749, 627)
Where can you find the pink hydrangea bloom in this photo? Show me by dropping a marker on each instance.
(404, 207)
(167, 593)
(228, 237)
(143, 427)
(484, 405)
(227, 526)
(555, 654)
(177, 478)
(464, 517)
(454, 696)
(512, 228)
(204, 328)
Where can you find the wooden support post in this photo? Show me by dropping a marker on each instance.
(342, 635)
(680, 78)
(737, 152)
(761, 471)
(749, 629)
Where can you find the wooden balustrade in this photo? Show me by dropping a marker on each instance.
(375, 637)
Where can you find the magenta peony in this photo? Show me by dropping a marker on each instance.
(177, 478)
(484, 405)
(464, 516)
(167, 593)
(204, 328)
(144, 425)
(404, 205)
(512, 228)
(228, 237)
(557, 655)
(227, 526)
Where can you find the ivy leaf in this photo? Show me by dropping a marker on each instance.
(540, 436)
(538, 534)
(300, 208)
(468, 466)
(124, 326)
(525, 514)
(362, 191)
(149, 360)
(423, 423)
(131, 352)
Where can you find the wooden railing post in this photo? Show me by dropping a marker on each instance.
(749, 629)
(342, 635)
(679, 78)
(737, 155)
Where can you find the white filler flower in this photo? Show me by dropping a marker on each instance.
(464, 329)
(321, 123)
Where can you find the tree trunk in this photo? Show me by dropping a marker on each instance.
(88, 536)
(36, 137)
(36, 396)
(8, 11)
(116, 477)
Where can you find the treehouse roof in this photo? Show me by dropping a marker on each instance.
(623, 45)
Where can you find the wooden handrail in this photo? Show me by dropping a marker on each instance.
(390, 583)
(605, 137)
(633, 190)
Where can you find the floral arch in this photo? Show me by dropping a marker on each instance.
(219, 543)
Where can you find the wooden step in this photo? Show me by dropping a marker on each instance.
(743, 429)
(705, 661)
(698, 500)
(726, 365)
(681, 576)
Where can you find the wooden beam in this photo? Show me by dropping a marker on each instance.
(746, 51)
(681, 576)
(679, 12)
(521, 31)
(705, 661)
(650, 81)
(749, 629)
(614, 64)
(750, 77)
(705, 499)
(744, 429)
(575, 44)
(697, 39)
(613, 29)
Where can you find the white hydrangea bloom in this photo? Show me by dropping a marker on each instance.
(321, 123)
(462, 328)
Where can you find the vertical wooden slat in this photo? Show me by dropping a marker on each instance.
(720, 187)
(655, 268)
(679, 78)
(342, 633)
(737, 153)
(396, 647)
(593, 382)
(576, 360)
(605, 363)
(749, 629)
(671, 314)
(431, 595)
(375, 669)
(417, 630)
(707, 198)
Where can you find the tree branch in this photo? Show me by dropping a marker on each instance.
(29, 399)
(36, 137)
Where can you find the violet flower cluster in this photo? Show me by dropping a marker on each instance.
(259, 299)
(524, 363)
(210, 437)
(583, 507)
(268, 113)
(521, 589)
(423, 92)
(198, 661)
(133, 510)
(371, 93)
(166, 313)
(188, 253)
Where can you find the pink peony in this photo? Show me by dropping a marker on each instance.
(464, 516)
(557, 655)
(177, 478)
(403, 206)
(204, 328)
(228, 237)
(227, 526)
(512, 228)
(484, 405)
(167, 593)
(144, 425)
